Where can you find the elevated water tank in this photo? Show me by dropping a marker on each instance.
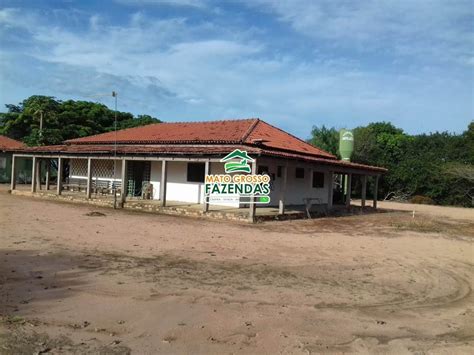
(346, 144)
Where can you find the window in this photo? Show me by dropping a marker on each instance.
(262, 169)
(3, 162)
(279, 171)
(78, 167)
(196, 172)
(299, 173)
(318, 179)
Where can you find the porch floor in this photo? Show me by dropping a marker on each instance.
(178, 207)
(172, 207)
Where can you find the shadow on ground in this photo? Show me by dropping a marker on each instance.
(28, 277)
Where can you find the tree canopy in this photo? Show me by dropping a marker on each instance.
(436, 165)
(62, 120)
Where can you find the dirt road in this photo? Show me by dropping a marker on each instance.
(119, 282)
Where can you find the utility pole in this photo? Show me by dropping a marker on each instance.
(41, 113)
(114, 95)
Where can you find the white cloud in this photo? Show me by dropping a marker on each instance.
(437, 28)
(178, 69)
(190, 3)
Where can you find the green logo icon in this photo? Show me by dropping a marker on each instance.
(237, 162)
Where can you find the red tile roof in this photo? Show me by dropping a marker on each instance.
(139, 149)
(7, 144)
(250, 132)
(276, 138)
(201, 139)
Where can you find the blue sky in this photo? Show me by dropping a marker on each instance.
(293, 63)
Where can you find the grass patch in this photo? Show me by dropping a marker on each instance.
(421, 226)
(18, 339)
(13, 320)
(428, 225)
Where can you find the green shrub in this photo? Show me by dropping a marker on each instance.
(422, 200)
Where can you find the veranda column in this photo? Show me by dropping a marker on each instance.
(38, 173)
(207, 169)
(89, 178)
(330, 189)
(364, 190)
(164, 173)
(252, 206)
(123, 194)
(59, 186)
(281, 202)
(349, 190)
(343, 184)
(34, 167)
(48, 171)
(376, 188)
(13, 178)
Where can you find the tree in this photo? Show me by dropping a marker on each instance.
(62, 120)
(326, 139)
(435, 165)
(464, 177)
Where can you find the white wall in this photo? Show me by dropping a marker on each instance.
(179, 189)
(155, 178)
(177, 186)
(296, 189)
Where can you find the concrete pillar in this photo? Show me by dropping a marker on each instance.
(164, 173)
(48, 171)
(349, 190)
(330, 189)
(38, 173)
(34, 168)
(252, 205)
(59, 186)
(207, 171)
(364, 190)
(281, 202)
(376, 188)
(13, 178)
(123, 194)
(89, 178)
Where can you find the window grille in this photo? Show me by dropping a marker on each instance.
(103, 169)
(78, 167)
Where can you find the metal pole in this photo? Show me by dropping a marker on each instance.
(114, 94)
(206, 172)
(252, 206)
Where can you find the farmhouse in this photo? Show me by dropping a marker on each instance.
(7, 147)
(166, 163)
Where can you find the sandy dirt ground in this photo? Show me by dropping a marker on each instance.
(78, 279)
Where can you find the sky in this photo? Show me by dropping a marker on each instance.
(293, 63)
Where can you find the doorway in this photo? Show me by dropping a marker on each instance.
(138, 173)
